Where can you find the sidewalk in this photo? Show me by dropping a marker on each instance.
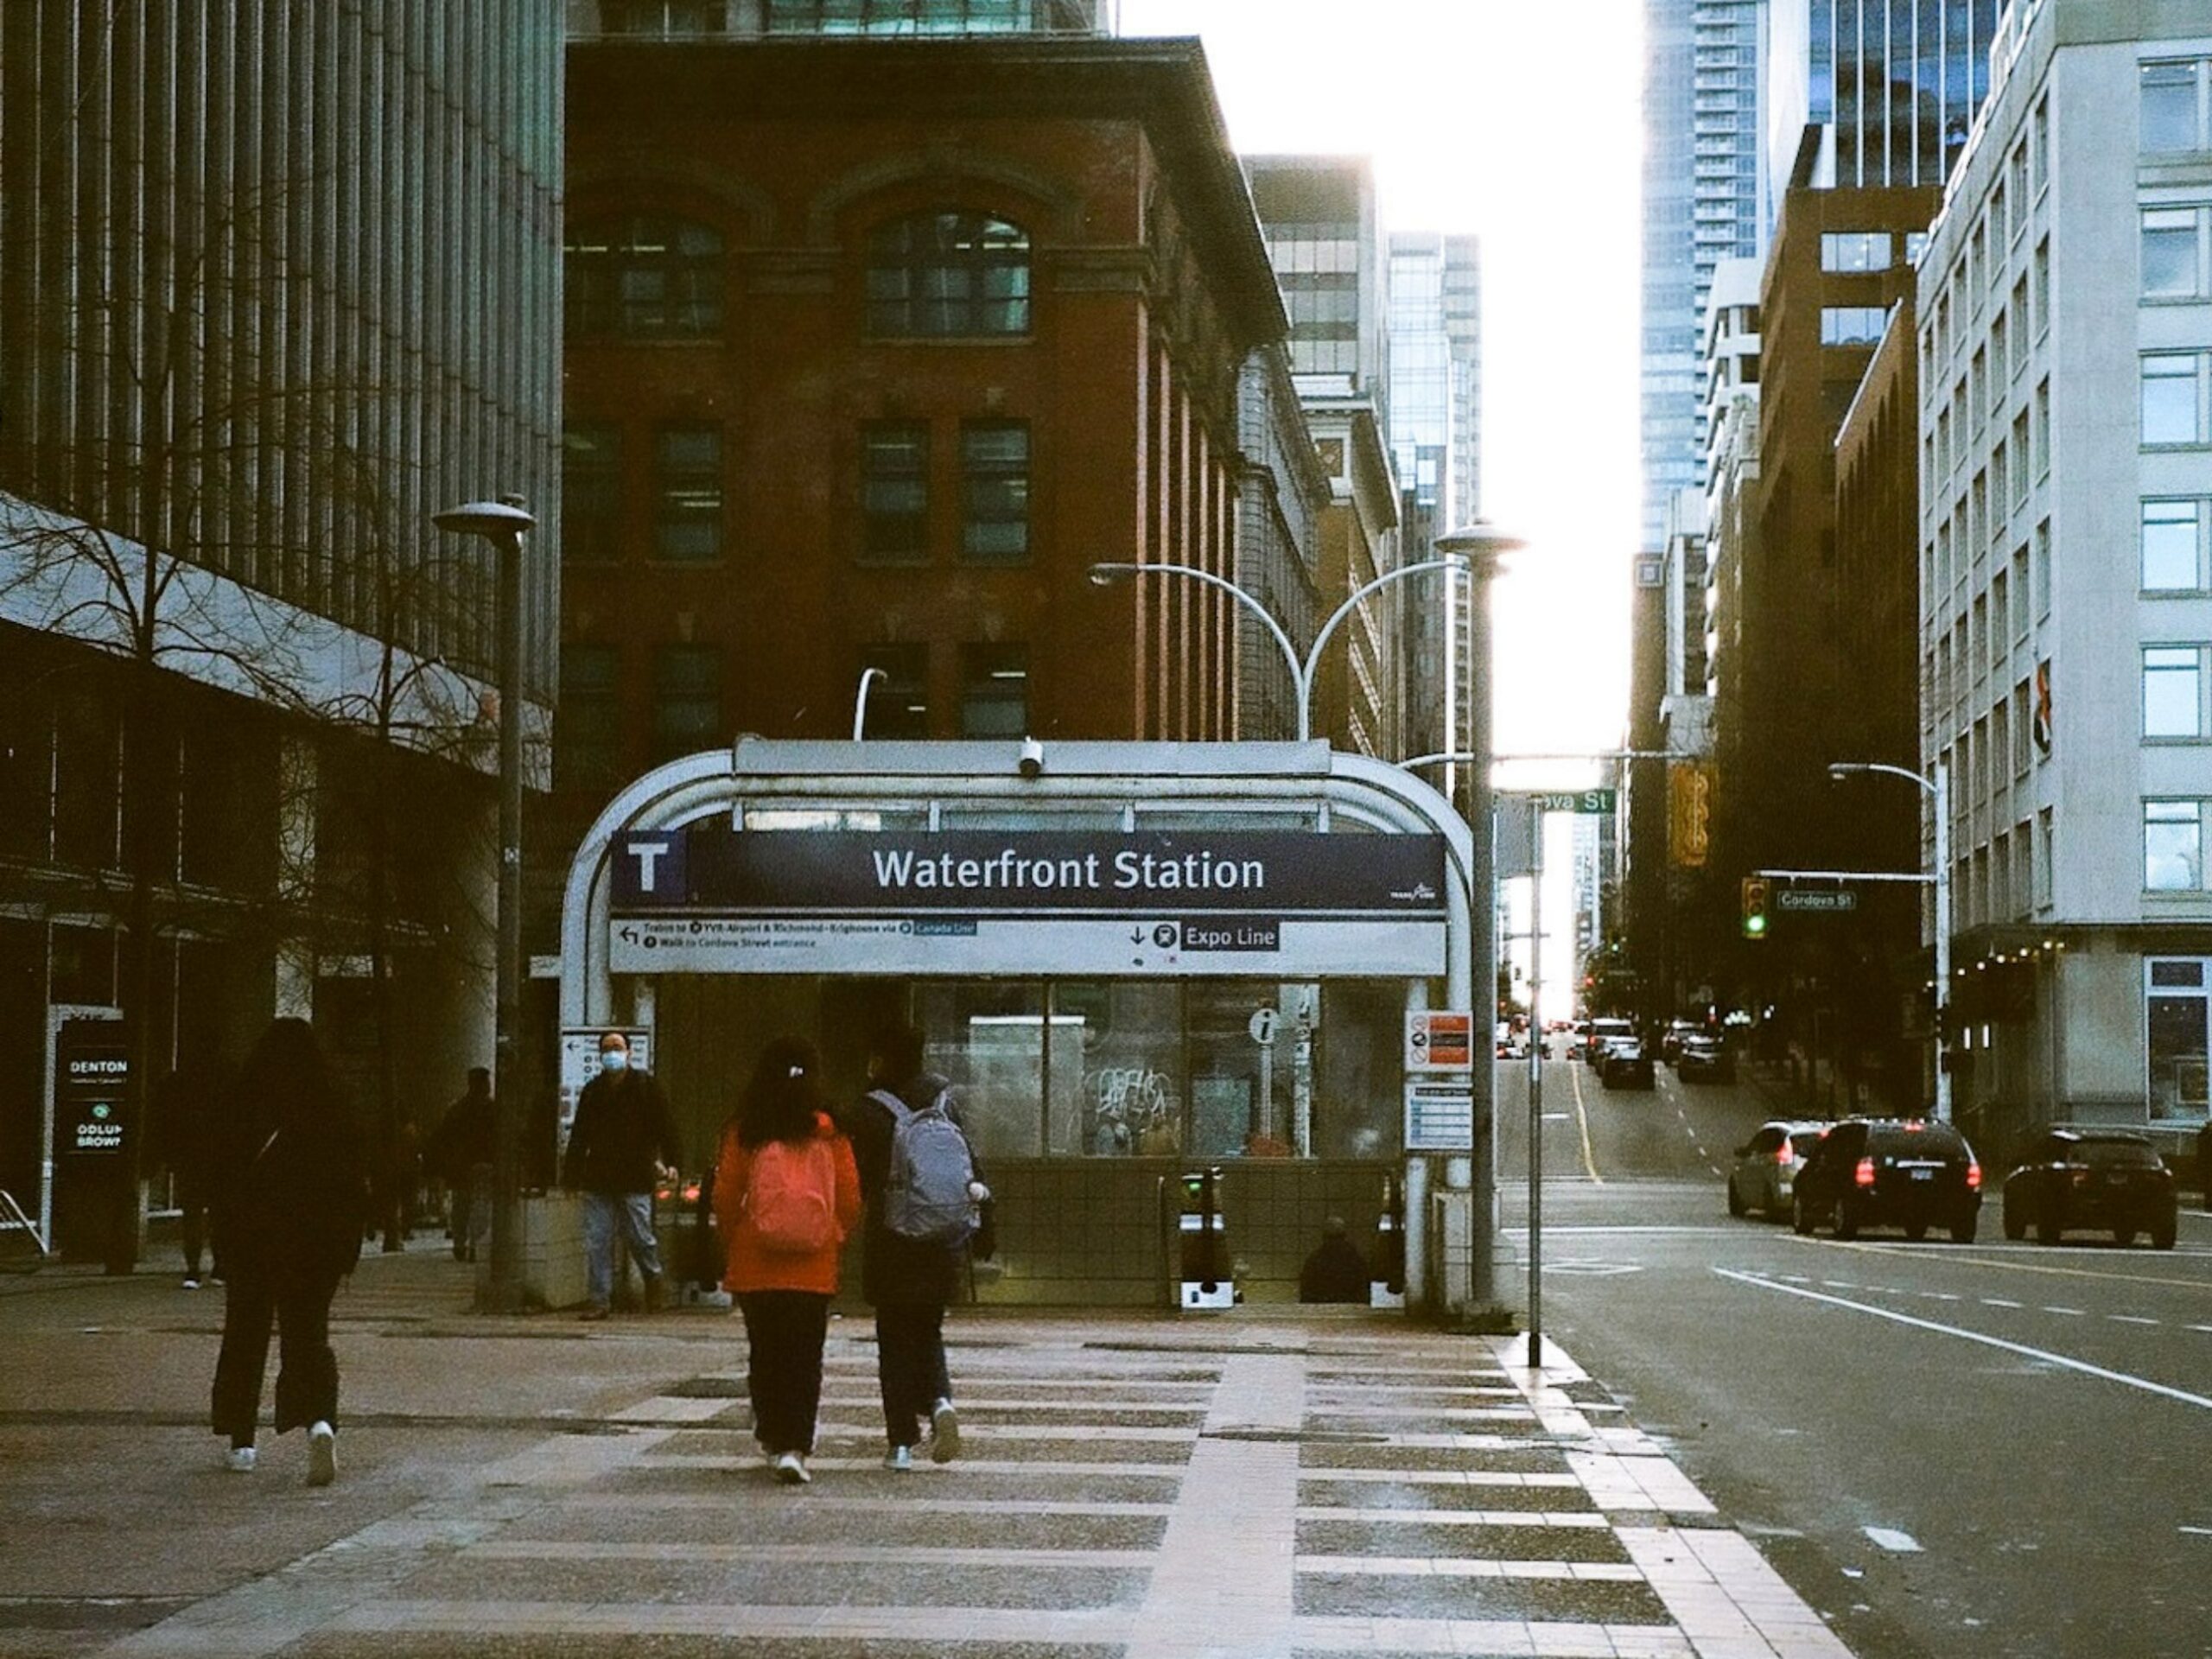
(1263, 1483)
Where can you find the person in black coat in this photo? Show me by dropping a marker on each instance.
(622, 1145)
(908, 1281)
(185, 1118)
(292, 1198)
(461, 1155)
(1335, 1272)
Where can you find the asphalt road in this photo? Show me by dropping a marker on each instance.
(1988, 1449)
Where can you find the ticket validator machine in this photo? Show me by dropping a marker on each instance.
(1208, 1278)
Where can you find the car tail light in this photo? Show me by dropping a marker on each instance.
(1865, 1174)
(1782, 1154)
(1974, 1178)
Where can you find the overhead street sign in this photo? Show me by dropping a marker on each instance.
(1819, 900)
(1587, 801)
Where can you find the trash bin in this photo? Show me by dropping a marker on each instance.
(1207, 1278)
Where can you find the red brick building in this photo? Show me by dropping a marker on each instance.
(873, 348)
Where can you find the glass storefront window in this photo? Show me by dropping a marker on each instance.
(2177, 1004)
(988, 1036)
(1117, 1068)
(1247, 1097)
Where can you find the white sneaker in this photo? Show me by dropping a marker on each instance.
(322, 1455)
(944, 1433)
(899, 1460)
(791, 1469)
(239, 1459)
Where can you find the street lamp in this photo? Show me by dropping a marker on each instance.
(503, 522)
(1105, 573)
(859, 701)
(1938, 788)
(1479, 546)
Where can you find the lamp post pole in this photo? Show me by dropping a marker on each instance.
(868, 675)
(1481, 546)
(502, 524)
(1301, 672)
(1936, 783)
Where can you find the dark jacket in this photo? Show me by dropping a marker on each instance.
(622, 1130)
(468, 1135)
(186, 1111)
(292, 1194)
(894, 1271)
(1336, 1272)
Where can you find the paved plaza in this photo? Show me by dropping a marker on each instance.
(1268, 1482)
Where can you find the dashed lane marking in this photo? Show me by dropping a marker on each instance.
(2124, 1378)
(1897, 1543)
(2070, 1312)
(2129, 1318)
(1998, 1302)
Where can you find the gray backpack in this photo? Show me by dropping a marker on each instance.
(925, 1195)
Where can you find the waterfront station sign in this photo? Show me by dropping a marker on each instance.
(1270, 902)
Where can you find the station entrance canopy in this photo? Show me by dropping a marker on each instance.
(927, 859)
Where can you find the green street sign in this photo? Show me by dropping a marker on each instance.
(1583, 801)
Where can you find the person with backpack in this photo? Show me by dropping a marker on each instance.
(786, 1194)
(919, 1175)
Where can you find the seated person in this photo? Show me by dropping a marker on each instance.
(1336, 1272)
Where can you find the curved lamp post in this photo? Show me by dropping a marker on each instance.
(859, 701)
(1301, 673)
(503, 522)
(1937, 786)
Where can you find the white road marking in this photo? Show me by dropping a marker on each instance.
(2129, 1318)
(1998, 1302)
(1839, 1284)
(2021, 1348)
(2198, 1532)
(1897, 1543)
(2205, 1329)
(2070, 1312)
(1941, 1296)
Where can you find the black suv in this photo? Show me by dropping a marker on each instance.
(1889, 1172)
(2081, 1179)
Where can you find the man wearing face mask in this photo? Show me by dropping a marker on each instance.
(622, 1143)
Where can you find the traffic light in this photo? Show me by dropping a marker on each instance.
(1756, 891)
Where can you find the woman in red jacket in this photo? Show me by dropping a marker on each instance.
(786, 1193)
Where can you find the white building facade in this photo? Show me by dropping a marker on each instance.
(2066, 570)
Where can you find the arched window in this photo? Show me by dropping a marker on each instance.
(937, 275)
(644, 276)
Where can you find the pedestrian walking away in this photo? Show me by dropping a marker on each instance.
(922, 1190)
(186, 1113)
(291, 1199)
(460, 1155)
(787, 1193)
(621, 1146)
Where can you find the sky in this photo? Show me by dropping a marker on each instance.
(1519, 123)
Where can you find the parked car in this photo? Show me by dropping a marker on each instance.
(1702, 1058)
(1878, 1172)
(1765, 1172)
(1600, 1032)
(1625, 1062)
(2092, 1179)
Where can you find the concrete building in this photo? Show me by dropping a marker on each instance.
(2066, 601)
(276, 284)
(1435, 314)
(1707, 197)
(1318, 215)
(1842, 258)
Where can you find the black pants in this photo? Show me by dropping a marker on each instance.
(307, 1369)
(784, 1331)
(909, 1365)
